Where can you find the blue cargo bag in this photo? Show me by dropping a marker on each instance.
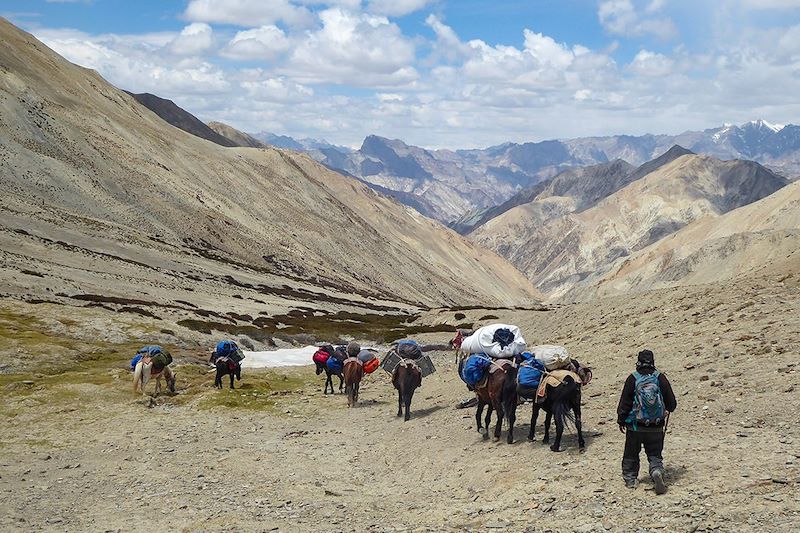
(530, 372)
(335, 365)
(475, 368)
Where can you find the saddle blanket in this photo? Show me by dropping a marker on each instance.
(499, 364)
(554, 379)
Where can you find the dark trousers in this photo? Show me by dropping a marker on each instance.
(653, 442)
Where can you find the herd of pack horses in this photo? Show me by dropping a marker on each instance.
(497, 393)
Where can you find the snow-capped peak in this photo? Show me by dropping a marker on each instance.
(763, 123)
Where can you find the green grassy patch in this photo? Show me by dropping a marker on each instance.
(263, 389)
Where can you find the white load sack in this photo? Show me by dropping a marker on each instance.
(553, 357)
(481, 342)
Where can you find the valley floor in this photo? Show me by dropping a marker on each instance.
(81, 452)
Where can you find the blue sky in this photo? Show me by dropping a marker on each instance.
(441, 73)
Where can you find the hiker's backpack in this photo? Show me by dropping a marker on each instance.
(648, 404)
(335, 365)
(321, 356)
(475, 368)
(530, 372)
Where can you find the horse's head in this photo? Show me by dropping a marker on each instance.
(320, 368)
(585, 373)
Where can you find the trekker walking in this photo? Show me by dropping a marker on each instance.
(644, 407)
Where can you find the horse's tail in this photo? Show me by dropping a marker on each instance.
(137, 376)
(510, 393)
(563, 396)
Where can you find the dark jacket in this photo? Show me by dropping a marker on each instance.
(626, 399)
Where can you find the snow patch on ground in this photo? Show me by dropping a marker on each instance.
(281, 357)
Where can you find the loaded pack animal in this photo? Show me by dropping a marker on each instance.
(561, 402)
(145, 371)
(406, 378)
(321, 358)
(498, 391)
(226, 366)
(353, 372)
(227, 359)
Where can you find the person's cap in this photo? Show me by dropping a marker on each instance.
(646, 358)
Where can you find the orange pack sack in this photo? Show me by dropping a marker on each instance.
(371, 365)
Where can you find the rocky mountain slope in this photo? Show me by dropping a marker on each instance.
(239, 138)
(102, 199)
(760, 238)
(557, 241)
(180, 118)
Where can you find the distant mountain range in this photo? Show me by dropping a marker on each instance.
(454, 185)
(463, 187)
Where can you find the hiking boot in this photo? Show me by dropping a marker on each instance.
(658, 481)
(630, 483)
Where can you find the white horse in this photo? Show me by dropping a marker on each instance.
(144, 373)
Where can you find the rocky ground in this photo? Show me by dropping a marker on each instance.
(81, 452)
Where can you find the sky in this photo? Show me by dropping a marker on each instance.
(441, 73)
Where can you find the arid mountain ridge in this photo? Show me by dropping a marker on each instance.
(569, 232)
(104, 202)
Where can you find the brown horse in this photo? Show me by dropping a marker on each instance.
(353, 372)
(499, 392)
(406, 378)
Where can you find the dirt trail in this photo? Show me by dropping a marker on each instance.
(101, 461)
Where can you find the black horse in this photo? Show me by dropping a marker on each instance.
(227, 366)
(558, 403)
(321, 367)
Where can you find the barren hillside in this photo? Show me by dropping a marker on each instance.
(557, 246)
(100, 196)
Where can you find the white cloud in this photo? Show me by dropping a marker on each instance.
(771, 4)
(354, 49)
(137, 65)
(265, 43)
(194, 39)
(248, 13)
(620, 17)
(396, 8)
(277, 90)
(649, 64)
(448, 45)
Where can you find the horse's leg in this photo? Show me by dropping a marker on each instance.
(358, 386)
(576, 408)
(399, 402)
(559, 431)
(409, 393)
(534, 416)
(479, 414)
(218, 379)
(341, 383)
(488, 420)
(547, 419)
(232, 375)
(498, 427)
(512, 417)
